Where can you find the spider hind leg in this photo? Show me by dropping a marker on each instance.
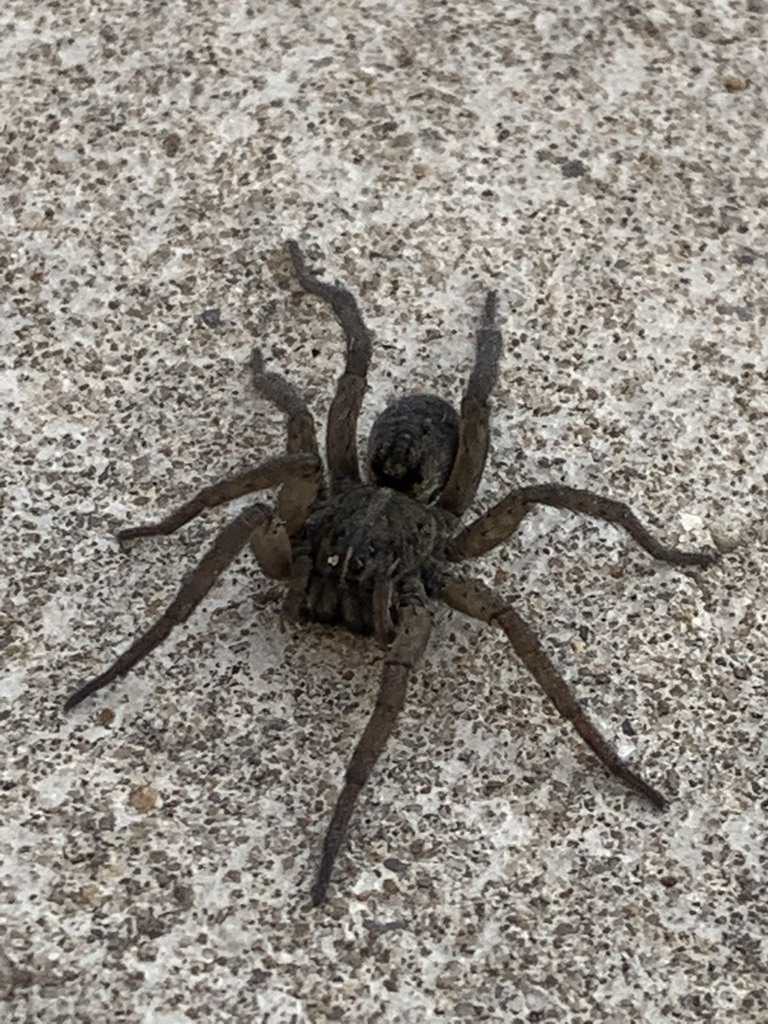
(472, 453)
(288, 399)
(341, 433)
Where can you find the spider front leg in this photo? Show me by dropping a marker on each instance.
(195, 586)
(268, 535)
(341, 436)
(499, 523)
(475, 599)
(408, 646)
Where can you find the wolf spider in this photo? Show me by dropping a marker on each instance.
(371, 556)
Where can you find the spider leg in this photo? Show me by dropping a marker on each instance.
(303, 470)
(383, 626)
(410, 640)
(475, 599)
(475, 414)
(271, 545)
(300, 425)
(193, 589)
(341, 436)
(288, 399)
(500, 522)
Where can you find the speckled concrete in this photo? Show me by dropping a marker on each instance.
(603, 166)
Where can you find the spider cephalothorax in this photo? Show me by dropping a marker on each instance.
(371, 556)
(366, 547)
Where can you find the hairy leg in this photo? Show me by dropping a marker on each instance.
(341, 437)
(303, 470)
(470, 459)
(193, 589)
(383, 626)
(499, 523)
(477, 600)
(271, 545)
(300, 427)
(410, 640)
(288, 399)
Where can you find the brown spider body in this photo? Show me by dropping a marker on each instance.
(373, 556)
(365, 541)
(413, 445)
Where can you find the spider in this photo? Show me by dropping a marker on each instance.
(372, 556)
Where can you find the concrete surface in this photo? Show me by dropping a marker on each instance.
(603, 166)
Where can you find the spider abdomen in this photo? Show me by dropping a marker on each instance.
(364, 537)
(412, 446)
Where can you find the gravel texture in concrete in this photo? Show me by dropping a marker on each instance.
(605, 167)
